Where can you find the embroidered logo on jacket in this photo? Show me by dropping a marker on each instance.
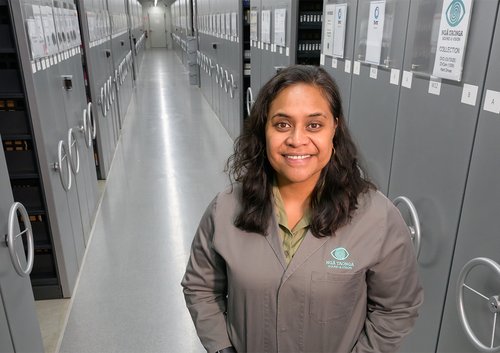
(340, 255)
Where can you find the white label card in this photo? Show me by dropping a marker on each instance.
(375, 32)
(266, 26)
(469, 94)
(334, 63)
(435, 86)
(452, 38)
(394, 77)
(347, 67)
(373, 72)
(280, 27)
(339, 30)
(328, 30)
(287, 51)
(407, 79)
(254, 17)
(492, 101)
(322, 60)
(356, 67)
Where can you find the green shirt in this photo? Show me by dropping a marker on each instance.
(291, 239)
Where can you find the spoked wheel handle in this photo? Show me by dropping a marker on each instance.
(492, 302)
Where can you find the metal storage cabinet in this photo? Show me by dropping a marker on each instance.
(96, 40)
(120, 43)
(220, 58)
(478, 230)
(375, 89)
(300, 45)
(74, 102)
(204, 45)
(62, 243)
(19, 328)
(341, 67)
(432, 149)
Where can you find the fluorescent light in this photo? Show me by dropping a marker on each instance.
(156, 2)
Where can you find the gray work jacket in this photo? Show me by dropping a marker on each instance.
(355, 291)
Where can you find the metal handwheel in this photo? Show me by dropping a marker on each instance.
(249, 100)
(85, 129)
(106, 98)
(102, 102)
(226, 81)
(415, 231)
(492, 302)
(74, 158)
(232, 86)
(221, 77)
(62, 156)
(11, 238)
(91, 120)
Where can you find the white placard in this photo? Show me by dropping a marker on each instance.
(373, 72)
(375, 32)
(435, 86)
(407, 79)
(33, 67)
(287, 51)
(35, 33)
(281, 50)
(394, 77)
(322, 60)
(280, 27)
(49, 29)
(347, 67)
(265, 34)
(492, 101)
(254, 30)
(43, 64)
(469, 94)
(452, 39)
(334, 63)
(228, 24)
(339, 32)
(356, 69)
(328, 30)
(38, 65)
(234, 24)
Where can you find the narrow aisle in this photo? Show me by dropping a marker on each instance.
(168, 166)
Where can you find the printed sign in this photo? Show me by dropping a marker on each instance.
(452, 38)
(328, 30)
(280, 27)
(266, 26)
(254, 18)
(375, 32)
(339, 32)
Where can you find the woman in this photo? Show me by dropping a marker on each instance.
(301, 254)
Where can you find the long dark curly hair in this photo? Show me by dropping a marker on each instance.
(334, 197)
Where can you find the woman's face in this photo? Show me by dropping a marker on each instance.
(299, 134)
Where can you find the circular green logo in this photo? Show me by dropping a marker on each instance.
(340, 254)
(455, 13)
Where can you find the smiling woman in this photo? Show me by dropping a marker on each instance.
(301, 254)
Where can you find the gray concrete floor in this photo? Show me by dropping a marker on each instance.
(166, 169)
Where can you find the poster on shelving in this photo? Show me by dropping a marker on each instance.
(328, 29)
(375, 32)
(266, 26)
(452, 39)
(280, 27)
(339, 30)
(254, 30)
